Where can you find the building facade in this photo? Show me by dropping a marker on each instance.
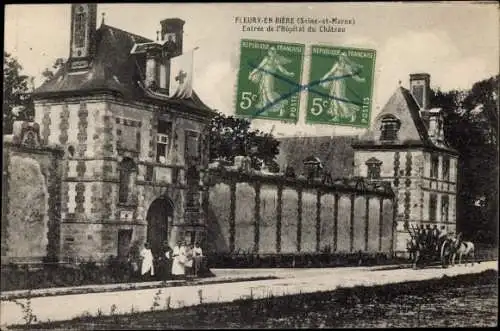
(406, 147)
(134, 159)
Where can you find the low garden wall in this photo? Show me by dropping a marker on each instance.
(253, 212)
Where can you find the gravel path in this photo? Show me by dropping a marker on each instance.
(290, 281)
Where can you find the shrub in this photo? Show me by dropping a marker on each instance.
(241, 259)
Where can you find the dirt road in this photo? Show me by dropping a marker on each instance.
(290, 281)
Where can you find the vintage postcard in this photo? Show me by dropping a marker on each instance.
(250, 165)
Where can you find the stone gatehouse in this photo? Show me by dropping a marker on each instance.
(132, 159)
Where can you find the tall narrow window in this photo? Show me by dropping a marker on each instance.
(163, 141)
(445, 206)
(432, 207)
(446, 169)
(128, 172)
(373, 165)
(191, 144)
(389, 128)
(80, 28)
(434, 166)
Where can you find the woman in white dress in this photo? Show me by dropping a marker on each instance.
(147, 261)
(179, 255)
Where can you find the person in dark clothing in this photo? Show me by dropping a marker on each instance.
(167, 256)
(421, 235)
(435, 236)
(165, 262)
(428, 236)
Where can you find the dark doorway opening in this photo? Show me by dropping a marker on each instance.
(159, 213)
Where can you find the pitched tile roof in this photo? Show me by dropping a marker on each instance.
(113, 70)
(335, 153)
(414, 124)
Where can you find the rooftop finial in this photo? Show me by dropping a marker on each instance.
(399, 82)
(103, 16)
(157, 35)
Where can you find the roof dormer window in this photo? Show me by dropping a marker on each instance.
(389, 128)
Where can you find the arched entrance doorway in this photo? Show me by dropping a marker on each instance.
(159, 213)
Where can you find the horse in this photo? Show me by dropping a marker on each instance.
(465, 249)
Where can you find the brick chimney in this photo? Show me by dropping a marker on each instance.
(433, 118)
(172, 30)
(420, 89)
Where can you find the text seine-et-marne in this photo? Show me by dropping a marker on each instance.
(291, 28)
(292, 20)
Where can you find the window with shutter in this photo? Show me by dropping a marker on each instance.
(434, 166)
(389, 128)
(432, 207)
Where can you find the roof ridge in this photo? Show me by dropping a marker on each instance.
(415, 114)
(124, 31)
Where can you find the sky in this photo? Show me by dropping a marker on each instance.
(456, 43)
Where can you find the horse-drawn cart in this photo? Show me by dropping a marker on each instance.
(425, 250)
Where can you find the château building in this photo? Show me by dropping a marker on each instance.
(406, 147)
(133, 158)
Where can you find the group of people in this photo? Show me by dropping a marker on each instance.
(184, 260)
(428, 237)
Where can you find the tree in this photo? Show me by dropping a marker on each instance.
(230, 136)
(471, 127)
(48, 74)
(17, 104)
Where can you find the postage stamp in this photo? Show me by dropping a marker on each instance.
(340, 86)
(269, 75)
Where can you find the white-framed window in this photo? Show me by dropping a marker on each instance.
(434, 166)
(163, 138)
(446, 168)
(445, 208)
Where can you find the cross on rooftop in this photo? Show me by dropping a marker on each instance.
(180, 77)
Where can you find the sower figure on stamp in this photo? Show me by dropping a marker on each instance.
(263, 75)
(335, 81)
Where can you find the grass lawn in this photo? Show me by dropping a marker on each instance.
(466, 300)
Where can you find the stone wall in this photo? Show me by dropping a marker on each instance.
(30, 197)
(254, 212)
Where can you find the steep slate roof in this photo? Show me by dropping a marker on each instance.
(335, 153)
(414, 127)
(114, 70)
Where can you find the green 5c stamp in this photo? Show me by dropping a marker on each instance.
(340, 86)
(269, 75)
